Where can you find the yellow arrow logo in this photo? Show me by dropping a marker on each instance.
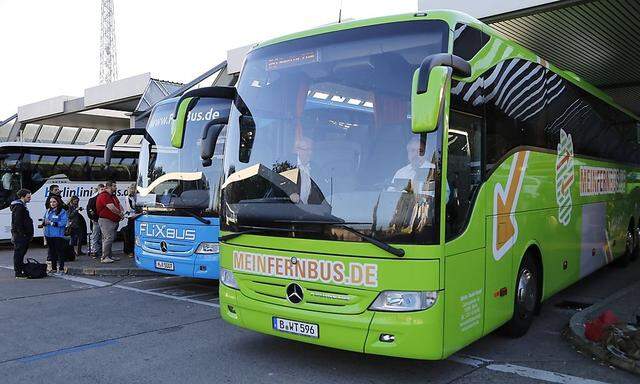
(505, 199)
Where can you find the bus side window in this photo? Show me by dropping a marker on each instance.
(468, 41)
(10, 182)
(463, 169)
(516, 99)
(596, 128)
(464, 160)
(40, 170)
(97, 168)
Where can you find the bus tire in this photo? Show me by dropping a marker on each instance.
(527, 298)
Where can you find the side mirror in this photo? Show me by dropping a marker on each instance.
(428, 89)
(188, 101)
(210, 134)
(116, 136)
(247, 135)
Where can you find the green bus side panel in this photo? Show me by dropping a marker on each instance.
(575, 233)
(464, 308)
(498, 275)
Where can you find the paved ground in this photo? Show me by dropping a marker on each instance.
(167, 329)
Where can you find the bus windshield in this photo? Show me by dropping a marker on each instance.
(174, 178)
(320, 134)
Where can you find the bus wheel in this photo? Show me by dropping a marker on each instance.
(527, 296)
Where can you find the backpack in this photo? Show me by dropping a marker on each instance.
(92, 210)
(34, 270)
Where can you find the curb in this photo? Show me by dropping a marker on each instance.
(574, 333)
(100, 271)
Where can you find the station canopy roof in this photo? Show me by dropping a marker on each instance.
(106, 106)
(595, 39)
(90, 118)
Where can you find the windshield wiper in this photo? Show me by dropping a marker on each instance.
(254, 230)
(193, 214)
(345, 225)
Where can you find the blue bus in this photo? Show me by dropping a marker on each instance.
(178, 196)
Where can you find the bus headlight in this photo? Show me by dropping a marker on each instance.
(227, 278)
(138, 242)
(404, 301)
(208, 248)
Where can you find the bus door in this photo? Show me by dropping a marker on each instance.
(464, 228)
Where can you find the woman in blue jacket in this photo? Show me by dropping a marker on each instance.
(55, 221)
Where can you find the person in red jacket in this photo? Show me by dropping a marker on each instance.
(109, 215)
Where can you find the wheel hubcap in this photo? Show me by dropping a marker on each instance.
(527, 291)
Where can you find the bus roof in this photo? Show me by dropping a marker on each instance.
(453, 17)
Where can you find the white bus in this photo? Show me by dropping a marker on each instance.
(76, 169)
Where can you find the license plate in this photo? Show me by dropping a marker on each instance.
(165, 265)
(296, 327)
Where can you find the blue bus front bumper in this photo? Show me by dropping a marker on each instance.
(200, 266)
(168, 244)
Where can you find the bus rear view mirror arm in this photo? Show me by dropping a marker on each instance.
(188, 101)
(117, 135)
(430, 84)
(210, 134)
(219, 92)
(460, 67)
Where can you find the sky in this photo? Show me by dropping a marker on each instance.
(51, 48)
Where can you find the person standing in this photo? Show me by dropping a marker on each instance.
(21, 230)
(95, 246)
(109, 215)
(54, 190)
(55, 221)
(77, 225)
(131, 213)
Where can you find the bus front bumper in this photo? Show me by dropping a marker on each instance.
(196, 265)
(417, 335)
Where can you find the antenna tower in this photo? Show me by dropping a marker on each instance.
(108, 56)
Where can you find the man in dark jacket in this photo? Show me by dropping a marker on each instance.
(54, 189)
(21, 230)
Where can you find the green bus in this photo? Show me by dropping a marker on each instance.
(405, 185)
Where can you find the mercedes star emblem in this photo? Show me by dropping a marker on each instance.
(294, 293)
(163, 246)
(294, 260)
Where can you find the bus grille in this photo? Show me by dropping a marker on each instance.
(317, 297)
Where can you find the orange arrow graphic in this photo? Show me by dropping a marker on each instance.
(505, 203)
